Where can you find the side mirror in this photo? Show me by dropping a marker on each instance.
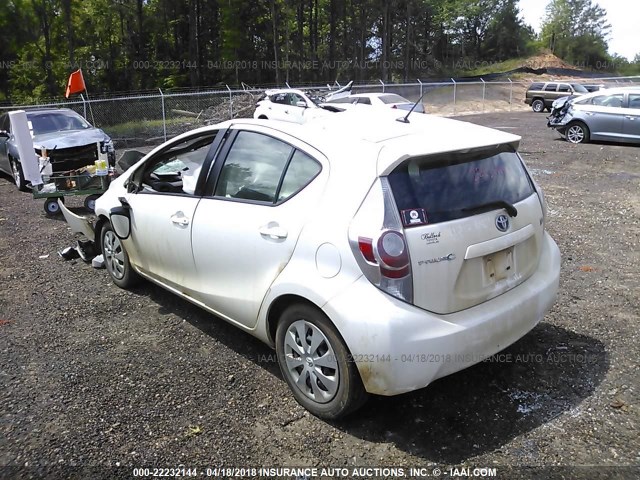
(121, 221)
(301, 103)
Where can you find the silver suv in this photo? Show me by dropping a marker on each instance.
(541, 95)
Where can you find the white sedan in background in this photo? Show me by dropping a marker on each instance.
(298, 106)
(386, 100)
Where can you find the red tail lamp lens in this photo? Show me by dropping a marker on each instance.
(366, 248)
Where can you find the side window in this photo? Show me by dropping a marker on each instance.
(253, 168)
(4, 123)
(302, 169)
(634, 100)
(563, 87)
(177, 169)
(279, 98)
(550, 87)
(364, 101)
(615, 101)
(295, 98)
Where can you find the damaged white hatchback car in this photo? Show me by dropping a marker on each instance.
(375, 255)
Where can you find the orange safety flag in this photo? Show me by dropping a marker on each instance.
(75, 84)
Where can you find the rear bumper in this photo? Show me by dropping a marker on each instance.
(399, 348)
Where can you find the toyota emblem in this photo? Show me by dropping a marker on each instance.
(502, 222)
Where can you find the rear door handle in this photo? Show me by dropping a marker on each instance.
(273, 231)
(179, 218)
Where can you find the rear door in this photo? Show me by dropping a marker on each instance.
(482, 230)
(260, 193)
(604, 115)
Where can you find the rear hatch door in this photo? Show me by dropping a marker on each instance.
(473, 225)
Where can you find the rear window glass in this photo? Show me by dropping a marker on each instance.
(458, 185)
(392, 98)
(536, 86)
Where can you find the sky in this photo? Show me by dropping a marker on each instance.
(623, 15)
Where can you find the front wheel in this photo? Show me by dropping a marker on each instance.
(18, 175)
(116, 259)
(577, 132)
(316, 363)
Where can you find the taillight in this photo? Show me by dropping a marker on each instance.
(392, 251)
(377, 240)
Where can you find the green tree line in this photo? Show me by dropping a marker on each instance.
(126, 45)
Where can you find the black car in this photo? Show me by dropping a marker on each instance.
(71, 141)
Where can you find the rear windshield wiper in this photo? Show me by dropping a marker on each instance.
(511, 210)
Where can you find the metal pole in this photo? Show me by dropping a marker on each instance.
(484, 88)
(230, 103)
(382, 83)
(164, 118)
(286, 83)
(84, 105)
(454, 96)
(510, 93)
(420, 86)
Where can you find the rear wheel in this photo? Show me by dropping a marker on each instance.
(537, 105)
(577, 132)
(116, 259)
(316, 363)
(18, 175)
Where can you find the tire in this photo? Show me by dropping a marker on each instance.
(90, 203)
(18, 175)
(116, 259)
(338, 388)
(577, 132)
(537, 105)
(51, 207)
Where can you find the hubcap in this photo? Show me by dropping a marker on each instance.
(311, 361)
(575, 134)
(113, 255)
(537, 107)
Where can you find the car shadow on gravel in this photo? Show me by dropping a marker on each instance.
(547, 373)
(229, 335)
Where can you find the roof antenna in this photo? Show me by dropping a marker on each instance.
(405, 119)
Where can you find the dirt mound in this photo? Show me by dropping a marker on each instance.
(546, 60)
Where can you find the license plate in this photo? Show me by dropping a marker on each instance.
(499, 265)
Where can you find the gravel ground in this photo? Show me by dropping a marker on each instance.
(96, 376)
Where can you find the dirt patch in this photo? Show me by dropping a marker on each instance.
(97, 376)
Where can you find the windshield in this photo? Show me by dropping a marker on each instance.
(452, 185)
(579, 88)
(56, 121)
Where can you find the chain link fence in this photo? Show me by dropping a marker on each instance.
(149, 118)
